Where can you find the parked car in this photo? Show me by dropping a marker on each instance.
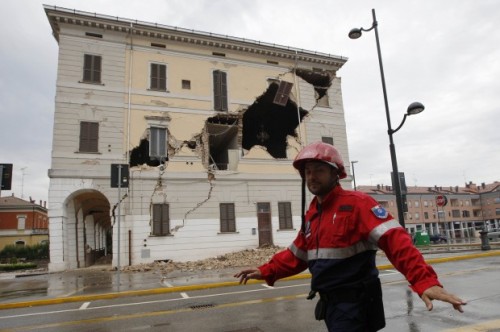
(438, 238)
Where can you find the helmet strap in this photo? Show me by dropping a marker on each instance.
(303, 226)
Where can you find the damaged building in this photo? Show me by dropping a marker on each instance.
(205, 126)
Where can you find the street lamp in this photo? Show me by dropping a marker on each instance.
(353, 176)
(414, 108)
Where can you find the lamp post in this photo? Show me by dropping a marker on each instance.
(414, 108)
(353, 175)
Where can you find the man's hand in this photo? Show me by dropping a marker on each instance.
(245, 275)
(438, 293)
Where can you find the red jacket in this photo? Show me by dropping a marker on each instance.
(339, 241)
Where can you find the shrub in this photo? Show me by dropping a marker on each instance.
(17, 266)
(37, 251)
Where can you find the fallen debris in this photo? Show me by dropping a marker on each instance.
(244, 258)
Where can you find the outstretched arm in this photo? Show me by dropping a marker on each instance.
(439, 293)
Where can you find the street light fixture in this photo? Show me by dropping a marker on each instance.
(414, 108)
(353, 175)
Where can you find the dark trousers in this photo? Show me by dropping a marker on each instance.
(354, 310)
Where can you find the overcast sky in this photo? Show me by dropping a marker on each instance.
(445, 54)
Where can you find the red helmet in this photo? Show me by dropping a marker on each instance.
(322, 152)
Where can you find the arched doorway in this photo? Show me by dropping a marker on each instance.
(87, 229)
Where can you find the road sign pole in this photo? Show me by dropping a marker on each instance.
(1, 178)
(119, 213)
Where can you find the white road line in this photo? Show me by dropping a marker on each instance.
(150, 302)
(267, 286)
(84, 305)
(184, 295)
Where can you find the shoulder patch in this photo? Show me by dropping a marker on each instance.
(380, 212)
(346, 208)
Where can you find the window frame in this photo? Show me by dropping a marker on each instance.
(92, 68)
(157, 142)
(158, 76)
(89, 137)
(285, 216)
(227, 218)
(327, 140)
(160, 219)
(220, 91)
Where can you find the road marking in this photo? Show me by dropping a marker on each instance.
(84, 322)
(492, 325)
(267, 286)
(85, 306)
(184, 295)
(153, 302)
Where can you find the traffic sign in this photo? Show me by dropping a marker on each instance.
(441, 200)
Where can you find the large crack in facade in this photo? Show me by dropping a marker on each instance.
(267, 123)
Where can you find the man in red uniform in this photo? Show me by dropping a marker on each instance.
(338, 240)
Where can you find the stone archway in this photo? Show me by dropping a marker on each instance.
(85, 228)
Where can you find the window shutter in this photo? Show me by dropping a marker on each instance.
(281, 213)
(89, 136)
(283, 93)
(157, 209)
(158, 77)
(220, 91)
(165, 223)
(91, 68)
(227, 218)
(87, 68)
(97, 69)
(285, 215)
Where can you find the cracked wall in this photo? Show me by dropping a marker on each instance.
(266, 123)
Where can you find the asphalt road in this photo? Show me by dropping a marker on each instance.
(256, 307)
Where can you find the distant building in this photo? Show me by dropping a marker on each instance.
(468, 208)
(208, 126)
(22, 222)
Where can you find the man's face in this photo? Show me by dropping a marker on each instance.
(320, 178)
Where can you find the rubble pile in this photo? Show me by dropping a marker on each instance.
(244, 258)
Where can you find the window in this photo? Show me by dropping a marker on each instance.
(158, 77)
(91, 68)
(21, 222)
(283, 93)
(426, 204)
(465, 213)
(328, 140)
(227, 218)
(426, 215)
(417, 204)
(157, 142)
(186, 84)
(455, 213)
(89, 136)
(417, 216)
(161, 219)
(220, 91)
(285, 215)
(497, 211)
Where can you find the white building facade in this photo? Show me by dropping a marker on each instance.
(205, 126)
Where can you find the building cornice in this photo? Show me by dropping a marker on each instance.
(58, 15)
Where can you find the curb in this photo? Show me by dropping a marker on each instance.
(156, 291)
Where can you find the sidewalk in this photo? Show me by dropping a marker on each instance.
(99, 282)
